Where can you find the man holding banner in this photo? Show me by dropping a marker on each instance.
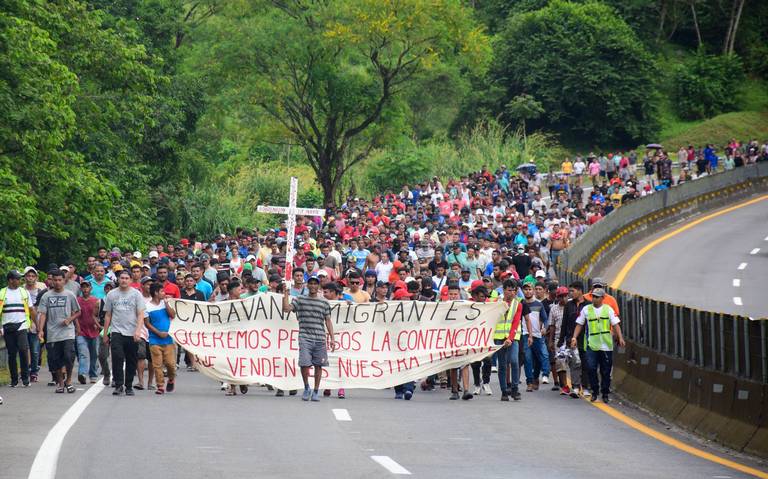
(314, 316)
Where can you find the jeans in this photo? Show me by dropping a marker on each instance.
(402, 388)
(17, 345)
(124, 353)
(104, 359)
(34, 353)
(603, 360)
(87, 356)
(508, 357)
(539, 350)
(163, 355)
(486, 368)
(585, 380)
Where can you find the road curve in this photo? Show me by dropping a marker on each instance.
(720, 264)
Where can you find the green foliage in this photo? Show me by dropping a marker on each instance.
(17, 245)
(707, 85)
(743, 126)
(585, 65)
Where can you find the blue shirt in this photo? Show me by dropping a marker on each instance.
(360, 256)
(159, 319)
(204, 288)
(97, 290)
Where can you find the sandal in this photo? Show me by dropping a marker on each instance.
(139, 387)
(59, 390)
(70, 388)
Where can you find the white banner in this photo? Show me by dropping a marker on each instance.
(378, 345)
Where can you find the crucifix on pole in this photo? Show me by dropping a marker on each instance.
(292, 211)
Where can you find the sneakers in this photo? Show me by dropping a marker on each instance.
(129, 392)
(504, 397)
(93, 380)
(516, 396)
(586, 393)
(606, 399)
(81, 378)
(487, 390)
(565, 390)
(467, 396)
(536, 386)
(529, 388)
(280, 393)
(170, 387)
(545, 379)
(593, 397)
(326, 392)
(342, 394)
(33, 378)
(315, 396)
(306, 395)
(575, 393)
(224, 386)
(477, 390)
(15, 385)
(398, 395)
(160, 391)
(243, 389)
(1, 399)
(454, 396)
(408, 395)
(292, 392)
(118, 391)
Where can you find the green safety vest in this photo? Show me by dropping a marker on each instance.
(24, 300)
(503, 327)
(598, 328)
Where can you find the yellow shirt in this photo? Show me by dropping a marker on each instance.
(567, 167)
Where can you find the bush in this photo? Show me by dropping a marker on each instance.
(706, 85)
(587, 68)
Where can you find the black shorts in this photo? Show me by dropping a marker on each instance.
(61, 354)
(142, 351)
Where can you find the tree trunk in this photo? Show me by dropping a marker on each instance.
(662, 18)
(730, 27)
(735, 28)
(696, 22)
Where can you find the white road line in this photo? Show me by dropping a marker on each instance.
(755, 251)
(737, 300)
(742, 266)
(389, 464)
(766, 238)
(44, 466)
(341, 414)
(736, 282)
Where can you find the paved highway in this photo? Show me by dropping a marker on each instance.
(720, 264)
(197, 432)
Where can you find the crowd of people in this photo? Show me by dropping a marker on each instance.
(488, 236)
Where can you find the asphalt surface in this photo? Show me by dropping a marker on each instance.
(197, 432)
(700, 266)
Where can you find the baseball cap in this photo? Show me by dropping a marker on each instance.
(203, 257)
(401, 294)
(152, 254)
(137, 254)
(561, 291)
(476, 284)
(521, 248)
(598, 292)
(380, 284)
(62, 268)
(540, 274)
(13, 274)
(313, 278)
(322, 272)
(598, 282)
(30, 268)
(275, 278)
(146, 279)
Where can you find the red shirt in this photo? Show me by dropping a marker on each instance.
(171, 290)
(89, 328)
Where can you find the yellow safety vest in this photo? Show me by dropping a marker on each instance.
(24, 300)
(598, 328)
(503, 327)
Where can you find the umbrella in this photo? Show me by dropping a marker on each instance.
(654, 146)
(526, 166)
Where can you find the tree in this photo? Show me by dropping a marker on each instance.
(524, 107)
(329, 73)
(707, 85)
(590, 72)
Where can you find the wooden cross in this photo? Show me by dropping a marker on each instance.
(292, 211)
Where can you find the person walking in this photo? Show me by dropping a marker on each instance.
(16, 320)
(314, 316)
(88, 335)
(601, 324)
(157, 320)
(125, 316)
(508, 333)
(59, 312)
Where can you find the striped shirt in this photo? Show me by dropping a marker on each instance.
(13, 308)
(311, 313)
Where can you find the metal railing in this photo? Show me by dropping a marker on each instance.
(727, 343)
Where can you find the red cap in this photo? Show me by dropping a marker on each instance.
(306, 247)
(400, 284)
(184, 241)
(476, 284)
(561, 291)
(401, 294)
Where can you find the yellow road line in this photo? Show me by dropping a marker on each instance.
(677, 444)
(616, 283)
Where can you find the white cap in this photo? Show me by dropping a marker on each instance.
(540, 274)
(154, 254)
(250, 257)
(31, 268)
(322, 272)
(64, 268)
(137, 254)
